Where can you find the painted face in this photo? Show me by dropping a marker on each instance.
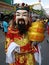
(22, 14)
(22, 19)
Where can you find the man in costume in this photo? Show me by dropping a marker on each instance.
(19, 47)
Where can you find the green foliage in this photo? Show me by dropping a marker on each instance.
(39, 12)
(7, 12)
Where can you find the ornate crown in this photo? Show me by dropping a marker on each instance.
(22, 6)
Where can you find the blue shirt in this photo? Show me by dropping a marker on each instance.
(48, 23)
(5, 26)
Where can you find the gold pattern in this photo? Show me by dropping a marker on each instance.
(29, 58)
(21, 59)
(22, 41)
(7, 43)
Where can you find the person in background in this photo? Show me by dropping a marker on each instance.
(5, 24)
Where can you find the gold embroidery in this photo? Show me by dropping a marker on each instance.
(21, 59)
(7, 42)
(21, 42)
(30, 59)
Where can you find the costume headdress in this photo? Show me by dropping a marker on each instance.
(22, 6)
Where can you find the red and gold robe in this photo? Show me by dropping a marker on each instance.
(27, 55)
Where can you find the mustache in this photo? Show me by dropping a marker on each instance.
(21, 21)
(21, 26)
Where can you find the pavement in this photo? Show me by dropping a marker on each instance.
(44, 50)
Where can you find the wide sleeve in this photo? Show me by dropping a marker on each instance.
(10, 57)
(8, 39)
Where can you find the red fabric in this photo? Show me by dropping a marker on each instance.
(25, 48)
(29, 49)
(12, 33)
(48, 29)
(35, 49)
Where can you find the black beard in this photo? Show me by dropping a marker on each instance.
(22, 27)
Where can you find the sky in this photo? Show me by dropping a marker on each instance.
(45, 3)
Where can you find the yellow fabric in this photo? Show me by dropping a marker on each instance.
(34, 36)
(28, 57)
(22, 41)
(7, 43)
(36, 32)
